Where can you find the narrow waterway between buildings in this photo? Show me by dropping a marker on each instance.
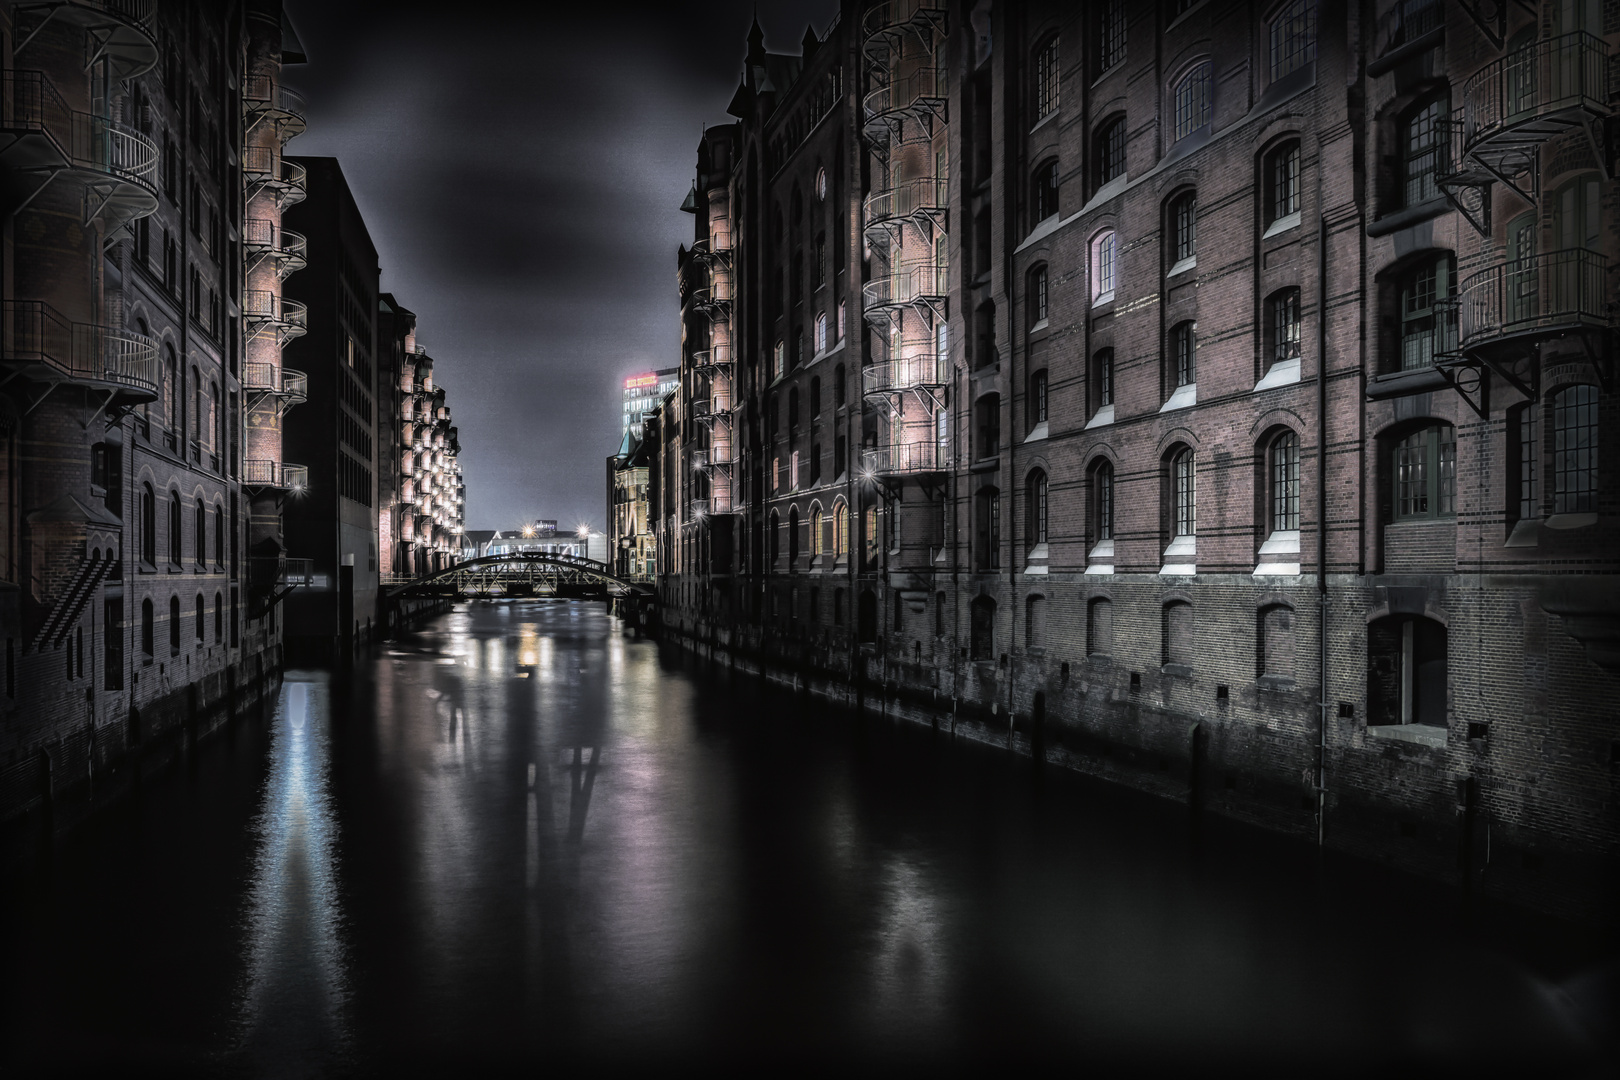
(521, 836)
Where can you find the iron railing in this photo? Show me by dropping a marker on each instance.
(892, 15)
(907, 373)
(925, 85)
(1543, 78)
(279, 572)
(291, 249)
(1540, 293)
(263, 377)
(266, 473)
(86, 142)
(1404, 23)
(261, 94)
(36, 333)
(924, 195)
(903, 457)
(714, 358)
(262, 305)
(906, 283)
(264, 166)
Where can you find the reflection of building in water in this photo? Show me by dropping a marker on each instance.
(296, 981)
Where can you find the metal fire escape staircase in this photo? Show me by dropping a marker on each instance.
(92, 568)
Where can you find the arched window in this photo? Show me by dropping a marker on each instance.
(982, 629)
(816, 544)
(1428, 322)
(1421, 132)
(1183, 229)
(1274, 643)
(1425, 474)
(1183, 497)
(987, 427)
(1102, 377)
(202, 534)
(1043, 191)
(219, 618)
(1194, 100)
(174, 625)
(1108, 153)
(1177, 635)
(1044, 91)
(1282, 184)
(147, 637)
(1406, 671)
(201, 617)
(176, 550)
(1293, 37)
(171, 373)
(1099, 627)
(1575, 450)
(1102, 501)
(1283, 476)
(1037, 398)
(1035, 508)
(149, 548)
(1037, 296)
(840, 531)
(1035, 622)
(219, 535)
(1104, 267)
(1109, 35)
(776, 536)
(793, 536)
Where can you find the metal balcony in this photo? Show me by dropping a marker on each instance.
(885, 24)
(919, 201)
(263, 100)
(118, 30)
(714, 298)
(260, 377)
(917, 98)
(1508, 306)
(39, 343)
(922, 371)
(262, 473)
(264, 239)
(1515, 104)
(264, 169)
(915, 284)
(713, 250)
(713, 361)
(903, 458)
(46, 142)
(266, 312)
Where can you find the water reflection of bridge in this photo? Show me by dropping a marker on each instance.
(522, 574)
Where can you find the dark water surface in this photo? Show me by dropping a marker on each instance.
(520, 838)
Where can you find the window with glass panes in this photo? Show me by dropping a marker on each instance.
(1044, 191)
(1575, 450)
(1285, 481)
(1420, 152)
(1103, 268)
(1104, 364)
(1037, 398)
(1426, 474)
(1428, 320)
(1046, 78)
(1193, 100)
(1184, 226)
(1182, 514)
(1285, 325)
(1293, 38)
(1110, 34)
(1184, 344)
(1037, 294)
(1037, 507)
(1110, 150)
(1103, 488)
(1282, 183)
(1529, 461)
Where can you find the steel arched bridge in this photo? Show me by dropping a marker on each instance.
(521, 575)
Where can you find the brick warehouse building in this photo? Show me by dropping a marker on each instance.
(132, 614)
(1127, 276)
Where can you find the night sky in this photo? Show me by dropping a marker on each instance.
(521, 176)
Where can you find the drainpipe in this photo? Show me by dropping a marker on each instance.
(1321, 506)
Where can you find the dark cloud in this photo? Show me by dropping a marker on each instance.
(521, 175)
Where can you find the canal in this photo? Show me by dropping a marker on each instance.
(520, 835)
